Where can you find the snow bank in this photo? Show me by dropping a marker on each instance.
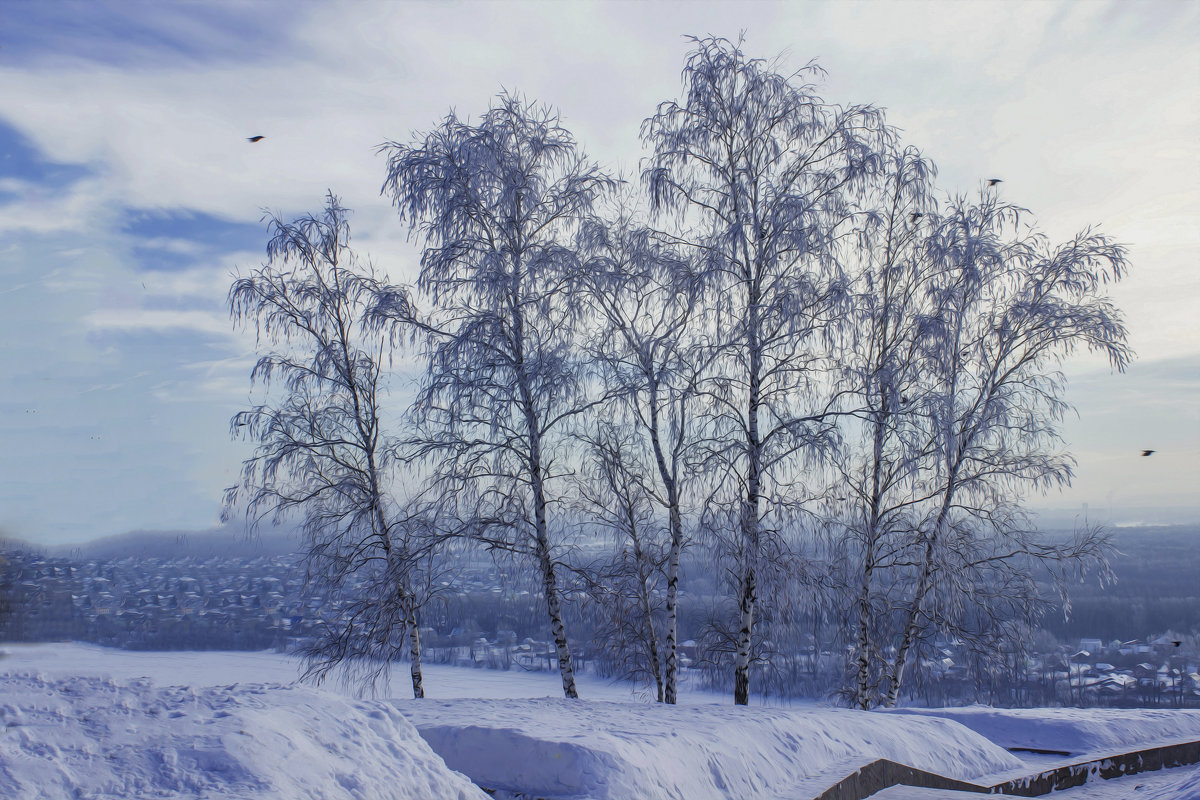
(69, 730)
(96, 738)
(1075, 730)
(608, 751)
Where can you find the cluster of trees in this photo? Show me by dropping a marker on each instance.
(779, 342)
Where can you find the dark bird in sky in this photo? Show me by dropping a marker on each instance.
(994, 181)
(1176, 643)
(1148, 453)
(256, 138)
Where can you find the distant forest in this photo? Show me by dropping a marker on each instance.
(1157, 588)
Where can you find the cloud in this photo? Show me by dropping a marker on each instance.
(83, 206)
(79, 34)
(142, 320)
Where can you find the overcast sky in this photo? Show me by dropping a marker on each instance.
(129, 195)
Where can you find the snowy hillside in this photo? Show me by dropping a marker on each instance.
(82, 721)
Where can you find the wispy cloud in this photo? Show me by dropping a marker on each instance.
(74, 34)
(150, 321)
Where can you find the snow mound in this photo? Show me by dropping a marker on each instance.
(96, 738)
(610, 751)
(1075, 730)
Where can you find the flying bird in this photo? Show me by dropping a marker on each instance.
(994, 181)
(253, 139)
(1148, 453)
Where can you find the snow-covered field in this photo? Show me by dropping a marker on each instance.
(207, 668)
(78, 721)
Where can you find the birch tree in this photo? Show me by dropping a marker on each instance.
(321, 452)
(926, 549)
(880, 375)
(652, 357)
(763, 177)
(1011, 309)
(614, 494)
(496, 204)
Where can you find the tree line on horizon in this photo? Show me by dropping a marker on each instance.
(778, 343)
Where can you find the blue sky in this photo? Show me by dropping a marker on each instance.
(129, 195)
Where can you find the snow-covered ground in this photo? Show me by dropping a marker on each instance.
(88, 722)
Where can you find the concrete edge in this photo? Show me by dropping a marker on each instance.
(882, 773)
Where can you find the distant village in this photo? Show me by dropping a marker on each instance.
(260, 603)
(1161, 672)
(215, 603)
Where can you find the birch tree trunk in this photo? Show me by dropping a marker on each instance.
(750, 541)
(414, 649)
(913, 620)
(750, 531)
(542, 543)
(671, 677)
(666, 474)
(545, 557)
(557, 629)
(648, 614)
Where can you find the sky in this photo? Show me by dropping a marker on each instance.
(129, 196)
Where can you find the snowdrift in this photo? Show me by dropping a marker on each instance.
(613, 751)
(1074, 730)
(96, 738)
